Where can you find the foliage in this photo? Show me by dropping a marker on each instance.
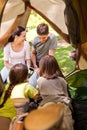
(32, 23)
(34, 20)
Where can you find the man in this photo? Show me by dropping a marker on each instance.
(45, 43)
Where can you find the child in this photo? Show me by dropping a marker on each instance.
(17, 90)
(53, 88)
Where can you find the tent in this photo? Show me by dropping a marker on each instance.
(67, 17)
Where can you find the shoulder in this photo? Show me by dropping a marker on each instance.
(53, 39)
(23, 86)
(27, 86)
(30, 88)
(41, 79)
(36, 40)
(26, 44)
(52, 35)
(62, 80)
(7, 46)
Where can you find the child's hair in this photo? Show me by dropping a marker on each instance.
(49, 67)
(18, 74)
(42, 29)
(18, 32)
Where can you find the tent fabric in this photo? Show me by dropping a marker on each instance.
(59, 12)
(12, 9)
(2, 4)
(72, 22)
(77, 82)
(67, 17)
(77, 86)
(51, 9)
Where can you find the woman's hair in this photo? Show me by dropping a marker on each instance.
(42, 29)
(18, 32)
(49, 67)
(18, 74)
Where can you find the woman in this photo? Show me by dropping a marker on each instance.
(53, 88)
(17, 50)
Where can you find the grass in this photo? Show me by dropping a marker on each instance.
(65, 63)
(1, 59)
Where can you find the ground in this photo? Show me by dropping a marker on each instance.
(62, 43)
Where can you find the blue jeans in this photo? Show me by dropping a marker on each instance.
(33, 79)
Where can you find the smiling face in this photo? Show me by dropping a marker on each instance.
(23, 35)
(43, 38)
(21, 38)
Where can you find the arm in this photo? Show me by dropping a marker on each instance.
(52, 52)
(31, 92)
(6, 56)
(28, 62)
(7, 64)
(33, 57)
(37, 96)
(53, 44)
(27, 54)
